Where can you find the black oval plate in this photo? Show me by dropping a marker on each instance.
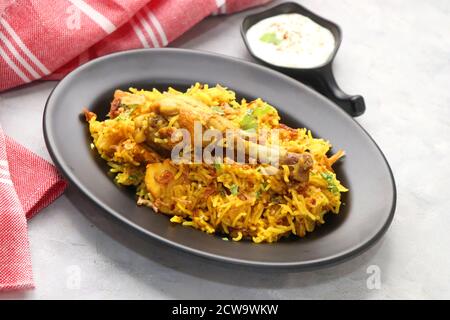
(370, 204)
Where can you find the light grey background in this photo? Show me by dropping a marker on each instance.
(396, 53)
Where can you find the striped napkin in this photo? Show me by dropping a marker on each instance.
(46, 39)
(28, 183)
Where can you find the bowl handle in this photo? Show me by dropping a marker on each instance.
(325, 82)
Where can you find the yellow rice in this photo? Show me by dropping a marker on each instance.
(233, 200)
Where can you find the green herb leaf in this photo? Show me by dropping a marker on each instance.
(330, 181)
(248, 122)
(270, 37)
(263, 110)
(234, 189)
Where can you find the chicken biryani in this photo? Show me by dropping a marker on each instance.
(256, 198)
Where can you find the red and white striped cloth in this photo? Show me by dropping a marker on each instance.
(28, 183)
(46, 39)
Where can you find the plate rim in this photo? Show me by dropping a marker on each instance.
(300, 265)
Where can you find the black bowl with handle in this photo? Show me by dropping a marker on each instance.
(320, 78)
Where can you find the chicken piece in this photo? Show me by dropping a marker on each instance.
(115, 108)
(302, 167)
(190, 110)
(123, 98)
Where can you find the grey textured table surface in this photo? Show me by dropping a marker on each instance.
(397, 55)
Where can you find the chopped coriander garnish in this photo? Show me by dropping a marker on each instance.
(270, 37)
(234, 189)
(263, 110)
(248, 122)
(330, 181)
(264, 185)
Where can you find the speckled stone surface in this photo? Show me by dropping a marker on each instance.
(397, 55)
